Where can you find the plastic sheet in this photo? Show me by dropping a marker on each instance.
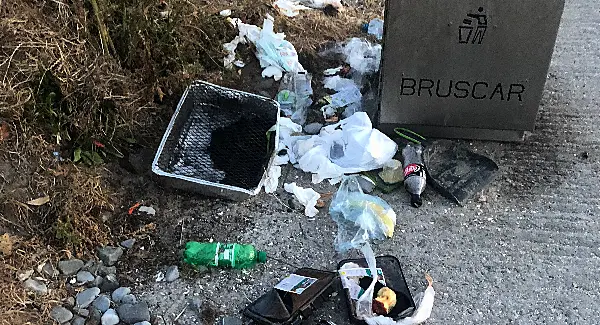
(349, 146)
(361, 217)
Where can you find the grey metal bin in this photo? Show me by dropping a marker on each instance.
(471, 69)
(217, 143)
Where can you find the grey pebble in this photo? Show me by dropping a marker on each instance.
(117, 295)
(95, 317)
(128, 243)
(37, 287)
(84, 277)
(134, 313)
(109, 283)
(102, 302)
(86, 297)
(313, 128)
(49, 270)
(110, 317)
(61, 314)
(78, 321)
(70, 301)
(129, 299)
(106, 270)
(97, 281)
(70, 267)
(172, 273)
(143, 323)
(82, 312)
(110, 255)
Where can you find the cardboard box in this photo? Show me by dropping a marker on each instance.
(464, 68)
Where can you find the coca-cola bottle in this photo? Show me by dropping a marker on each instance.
(414, 173)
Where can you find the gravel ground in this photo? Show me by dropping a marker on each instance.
(522, 252)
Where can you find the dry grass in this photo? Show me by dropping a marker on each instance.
(61, 87)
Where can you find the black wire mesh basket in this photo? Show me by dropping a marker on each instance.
(218, 142)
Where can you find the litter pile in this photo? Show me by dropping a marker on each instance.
(341, 147)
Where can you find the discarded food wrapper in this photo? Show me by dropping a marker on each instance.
(293, 299)
(225, 13)
(424, 306)
(349, 146)
(295, 284)
(307, 196)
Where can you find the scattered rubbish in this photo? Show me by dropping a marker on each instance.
(348, 95)
(272, 180)
(390, 297)
(230, 59)
(159, 277)
(414, 173)
(375, 28)
(218, 142)
(457, 172)
(225, 13)
(133, 208)
(293, 299)
(294, 95)
(392, 172)
(362, 55)
(216, 254)
(424, 306)
(307, 196)
(275, 54)
(349, 146)
(6, 244)
(148, 210)
(360, 217)
(289, 8)
(39, 201)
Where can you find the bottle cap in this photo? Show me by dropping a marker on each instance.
(261, 256)
(415, 200)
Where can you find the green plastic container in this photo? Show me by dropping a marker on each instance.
(235, 256)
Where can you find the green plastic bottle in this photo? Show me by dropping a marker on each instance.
(222, 255)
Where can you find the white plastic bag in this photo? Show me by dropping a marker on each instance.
(362, 56)
(349, 146)
(307, 196)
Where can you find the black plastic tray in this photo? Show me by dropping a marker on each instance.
(279, 307)
(394, 278)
